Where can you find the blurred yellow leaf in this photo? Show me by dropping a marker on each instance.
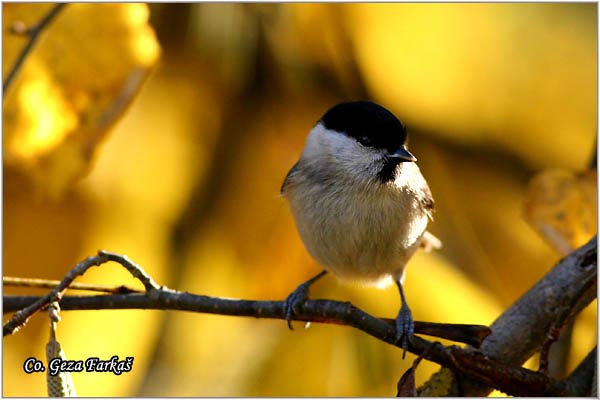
(77, 81)
(561, 207)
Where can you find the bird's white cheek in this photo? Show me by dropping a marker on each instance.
(337, 153)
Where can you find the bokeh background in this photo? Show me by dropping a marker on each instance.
(164, 132)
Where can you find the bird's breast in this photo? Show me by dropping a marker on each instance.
(355, 236)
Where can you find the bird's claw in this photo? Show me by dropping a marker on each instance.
(295, 300)
(405, 328)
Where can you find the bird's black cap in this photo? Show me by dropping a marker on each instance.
(369, 123)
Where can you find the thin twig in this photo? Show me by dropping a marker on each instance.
(511, 379)
(174, 300)
(51, 284)
(481, 369)
(34, 33)
(21, 317)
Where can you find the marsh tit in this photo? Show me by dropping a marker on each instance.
(360, 203)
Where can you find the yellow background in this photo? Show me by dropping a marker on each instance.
(164, 132)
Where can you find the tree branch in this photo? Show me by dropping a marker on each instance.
(579, 383)
(514, 380)
(34, 33)
(51, 284)
(323, 311)
(21, 317)
(568, 284)
(564, 318)
(522, 329)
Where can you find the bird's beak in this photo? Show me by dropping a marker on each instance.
(403, 155)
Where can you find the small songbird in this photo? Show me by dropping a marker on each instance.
(360, 203)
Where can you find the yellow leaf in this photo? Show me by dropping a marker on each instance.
(84, 70)
(561, 207)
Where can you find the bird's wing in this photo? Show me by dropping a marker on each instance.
(426, 200)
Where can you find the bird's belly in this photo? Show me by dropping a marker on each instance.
(367, 243)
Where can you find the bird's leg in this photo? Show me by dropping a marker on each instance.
(405, 326)
(299, 296)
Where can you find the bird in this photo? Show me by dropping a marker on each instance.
(360, 203)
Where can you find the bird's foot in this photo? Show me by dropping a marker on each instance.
(295, 300)
(405, 328)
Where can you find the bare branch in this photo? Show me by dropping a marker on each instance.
(522, 329)
(579, 383)
(561, 293)
(34, 33)
(514, 380)
(323, 311)
(562, 320)
(51, 284)
(21, 317)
